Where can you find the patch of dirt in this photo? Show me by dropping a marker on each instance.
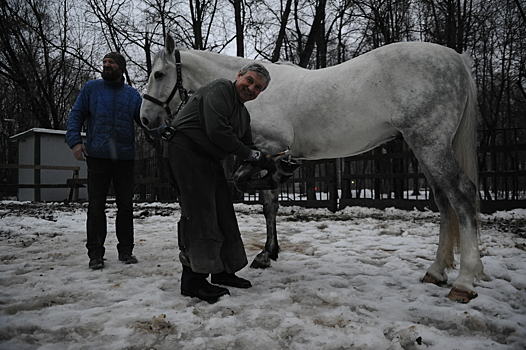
(515, 225)
(44, 211)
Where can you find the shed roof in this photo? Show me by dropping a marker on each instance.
(40, 131)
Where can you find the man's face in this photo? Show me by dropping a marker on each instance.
(111, 70)
(249, 86)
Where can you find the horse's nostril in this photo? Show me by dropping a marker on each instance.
(144, 121)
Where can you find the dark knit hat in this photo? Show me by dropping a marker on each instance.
(117, 57)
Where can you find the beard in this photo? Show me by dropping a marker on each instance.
(111, 75)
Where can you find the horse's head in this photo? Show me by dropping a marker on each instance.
(165, 89)
(248, 177)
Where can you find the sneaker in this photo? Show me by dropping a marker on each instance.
(96, 263)
(128, 258)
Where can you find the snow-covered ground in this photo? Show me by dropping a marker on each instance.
(348, 280)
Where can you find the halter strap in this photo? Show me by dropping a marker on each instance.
(183, 94)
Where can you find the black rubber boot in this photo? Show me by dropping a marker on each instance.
(231, 280)
(195, 285)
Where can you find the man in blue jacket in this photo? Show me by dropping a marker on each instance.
(110, 107)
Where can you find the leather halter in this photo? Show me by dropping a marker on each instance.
(183, 94)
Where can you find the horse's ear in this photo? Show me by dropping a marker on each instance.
(169, 44)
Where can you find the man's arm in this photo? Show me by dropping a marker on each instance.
(215, 109)
(76, 119)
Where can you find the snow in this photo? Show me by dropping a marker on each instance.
(348, 280)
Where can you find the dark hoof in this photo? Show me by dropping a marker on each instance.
(260, 263)
(431, 279)
(461, 295)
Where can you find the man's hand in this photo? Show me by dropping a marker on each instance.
(259, 159)
(79, 151)
(167, 132)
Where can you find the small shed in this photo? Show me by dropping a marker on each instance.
(46, 147)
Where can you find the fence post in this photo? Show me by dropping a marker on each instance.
(333, 185)
(76, 188)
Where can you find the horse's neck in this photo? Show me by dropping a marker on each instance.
(202, 67)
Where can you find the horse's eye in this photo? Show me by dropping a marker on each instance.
(158, 75)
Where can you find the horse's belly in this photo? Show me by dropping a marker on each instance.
(326, 142)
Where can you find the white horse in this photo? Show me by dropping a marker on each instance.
(419, 91)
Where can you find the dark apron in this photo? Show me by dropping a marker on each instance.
(208, 232)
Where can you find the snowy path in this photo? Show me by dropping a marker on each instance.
(348, 280)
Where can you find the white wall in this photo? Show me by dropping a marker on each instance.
(46, 147)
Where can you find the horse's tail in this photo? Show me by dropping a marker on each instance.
(465, 143)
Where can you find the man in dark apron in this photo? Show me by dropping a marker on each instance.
(213, 125)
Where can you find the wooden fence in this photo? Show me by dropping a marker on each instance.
(73, 183)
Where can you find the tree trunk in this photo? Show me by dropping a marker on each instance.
(281, 34)
(315, 31)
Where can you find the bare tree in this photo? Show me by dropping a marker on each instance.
(449, 22)
(282, 31)
(157, 14)
(306, 49)
(35, 63)
(384, 21)
(239, 16)
(112, 19)
(267, 28)
(199, 11)
(148, 31)
(50, 48)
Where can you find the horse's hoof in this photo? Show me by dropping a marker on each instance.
(272, 256)
(461, 295)
(258, 264)
(432, 279)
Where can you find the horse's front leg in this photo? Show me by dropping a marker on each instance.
(270, 209)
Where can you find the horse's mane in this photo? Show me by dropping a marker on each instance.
(161, 55)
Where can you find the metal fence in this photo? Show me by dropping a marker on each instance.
(388, 176)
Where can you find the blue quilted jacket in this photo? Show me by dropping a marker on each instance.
(110, 109)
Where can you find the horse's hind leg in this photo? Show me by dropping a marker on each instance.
(453, 190)
(270, 209)
(445, 259)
